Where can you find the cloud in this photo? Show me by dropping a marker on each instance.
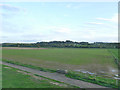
(63, 30)
(110, 26)
(60, 29)
(9, 7)
(8, 11)
(112, 19)
(24, 31)
(96, 26)
(68, 5)
(96, 23)
(8, 15)
(105, 19)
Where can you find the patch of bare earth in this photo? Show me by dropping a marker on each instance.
(36, 77)
(41, 78)
(22, 72)
(20, 48)
(93, 68)
(59, 84)
(7, 67)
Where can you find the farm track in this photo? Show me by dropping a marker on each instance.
(56, 76)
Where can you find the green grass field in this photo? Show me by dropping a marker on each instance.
(93, 60)
(0, 76)
(15, 78)
(114, 52)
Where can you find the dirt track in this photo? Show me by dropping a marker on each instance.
(56, 76)
(20, 48)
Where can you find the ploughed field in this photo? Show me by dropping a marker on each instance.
(78, 59)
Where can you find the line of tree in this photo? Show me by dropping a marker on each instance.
(64, 44)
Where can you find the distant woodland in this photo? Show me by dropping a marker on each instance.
(64, 44)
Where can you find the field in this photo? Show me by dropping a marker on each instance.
(92, 60)
(15, 78)
(114, 52)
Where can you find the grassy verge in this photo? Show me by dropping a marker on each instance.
(13, 78)
(108, 82)
(114, 53)
(30, 66)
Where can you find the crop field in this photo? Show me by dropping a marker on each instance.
(93, 60)
(15, 78)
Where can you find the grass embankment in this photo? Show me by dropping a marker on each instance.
(114, 53)
(108, 82)
(0, 76)
(15, 78)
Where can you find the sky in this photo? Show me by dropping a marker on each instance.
(28, 22)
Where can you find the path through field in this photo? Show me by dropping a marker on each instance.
(56, 76)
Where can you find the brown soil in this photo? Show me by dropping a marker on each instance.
(20, 48)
